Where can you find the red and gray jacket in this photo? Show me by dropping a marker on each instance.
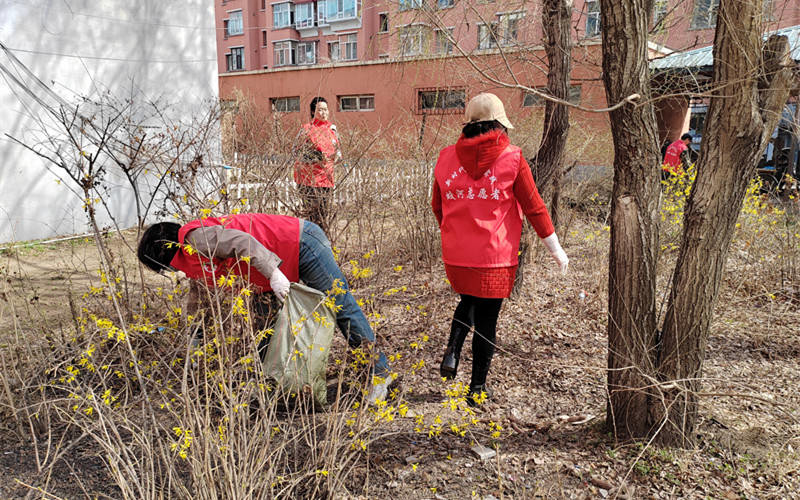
(218, 245)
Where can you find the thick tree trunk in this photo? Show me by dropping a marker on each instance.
(556, 18)
(549, 164)
(750, 88)
(634, 207)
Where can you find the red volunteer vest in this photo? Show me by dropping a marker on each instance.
(481, 219)
(323, 137)
(278, 233)
(672, 158)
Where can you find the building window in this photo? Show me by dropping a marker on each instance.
(412, 39)
(593, 18)
(409, 4)
(235, 25)
(383, 22)
(333, 51)
(766, 10)
(705, 14)
(444, 41)
(281, 15)
(531, 99)
(306, 53)
(304, 15)
(349, 44)
(487, 36)
(263, 4)
(284, 53)
(508, 24)
(441, 101)
(444, 4)
(321, 13)
(357, 102)
(341, 9)
(659, 11)
(285, 104)
(235, 59)
(263, 38)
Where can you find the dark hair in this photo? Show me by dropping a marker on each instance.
(314, 102)
(158, 245)
(687, 136)
(474, 129)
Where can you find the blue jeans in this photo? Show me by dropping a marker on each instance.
(318, 269)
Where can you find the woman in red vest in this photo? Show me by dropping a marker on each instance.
(279, 249)
(313, 172)
(482, 187)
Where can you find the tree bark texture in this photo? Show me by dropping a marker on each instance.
(632, 331)
(556, 18)
(751, 84)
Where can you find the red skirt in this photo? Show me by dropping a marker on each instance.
(484, 282)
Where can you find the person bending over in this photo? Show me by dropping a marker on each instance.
(277, 250)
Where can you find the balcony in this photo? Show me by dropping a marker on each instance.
(342, 14)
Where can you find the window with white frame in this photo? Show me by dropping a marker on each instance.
(487, 35)
(444, 41)
(285, 104)
(659, 11)
(235, 24)
(306, 53)
(284, 53)
(234, 60)
(341, 9)
(281, 15)
(704, 14)
(441, 101)
(444, 4)
(334, 54)
(349, 45)
(412, 39)
(593, 18)
(508, 26)
(357, 102)
(409, 4)
(304, 15)
(321, 13)
(531, 99)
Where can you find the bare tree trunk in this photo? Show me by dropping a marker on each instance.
(750, 89)
(557, 15)
(632, 332)
(549, 164)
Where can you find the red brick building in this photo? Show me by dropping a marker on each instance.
(410, 66)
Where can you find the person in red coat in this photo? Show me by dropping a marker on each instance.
(482, 187)
(267, 252)
(318, 150)
(676, 157)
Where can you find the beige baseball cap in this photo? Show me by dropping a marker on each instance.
(486, 107)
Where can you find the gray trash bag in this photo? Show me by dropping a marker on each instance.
(297, 356)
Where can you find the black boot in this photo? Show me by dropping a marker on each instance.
(476, 396)
(449, 366)
(482, 353)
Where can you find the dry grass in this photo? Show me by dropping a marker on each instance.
(102, 394)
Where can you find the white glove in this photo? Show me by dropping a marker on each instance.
(280, 284)
(558, 254)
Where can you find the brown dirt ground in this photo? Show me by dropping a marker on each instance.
(549, 379)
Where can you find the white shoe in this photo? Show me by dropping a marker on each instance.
(379, 390)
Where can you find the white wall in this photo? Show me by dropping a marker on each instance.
(165, 49)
